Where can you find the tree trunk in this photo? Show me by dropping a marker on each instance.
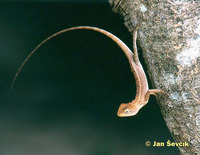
(169, 36)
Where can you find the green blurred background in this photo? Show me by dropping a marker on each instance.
(66, 97)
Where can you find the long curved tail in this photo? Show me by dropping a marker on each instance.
(121, 44)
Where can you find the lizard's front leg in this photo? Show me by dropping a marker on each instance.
(154, 92)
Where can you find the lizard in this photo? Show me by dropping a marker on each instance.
(143, 91)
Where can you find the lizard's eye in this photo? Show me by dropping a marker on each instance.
(126, 111)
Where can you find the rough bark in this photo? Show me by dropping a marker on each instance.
(169, 36)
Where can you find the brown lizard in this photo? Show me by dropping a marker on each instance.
(143, 91)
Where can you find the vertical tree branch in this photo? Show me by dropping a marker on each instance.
(169, 36)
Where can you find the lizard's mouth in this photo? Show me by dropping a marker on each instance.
(126, 115)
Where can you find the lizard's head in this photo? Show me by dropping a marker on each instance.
(128, 109)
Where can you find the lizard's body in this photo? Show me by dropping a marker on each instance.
(143, 92)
